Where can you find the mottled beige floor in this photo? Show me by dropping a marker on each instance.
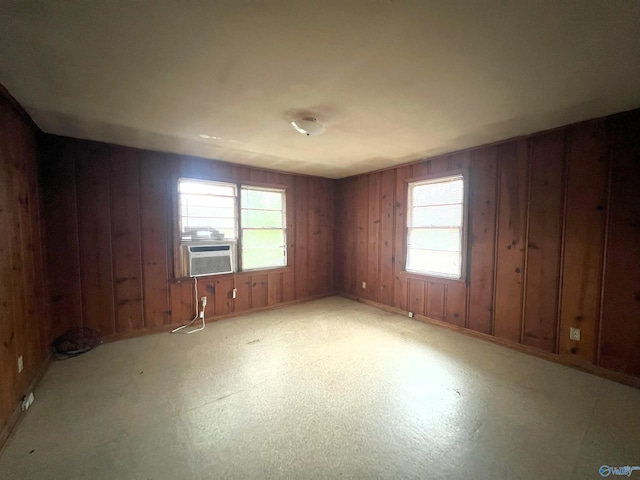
(327, 389)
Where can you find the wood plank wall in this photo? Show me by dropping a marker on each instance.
(110, 217)
(24, 318)
(554, 237)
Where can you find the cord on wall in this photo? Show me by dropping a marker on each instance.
(199, 312)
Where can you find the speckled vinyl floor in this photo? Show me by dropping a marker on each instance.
(326, 389)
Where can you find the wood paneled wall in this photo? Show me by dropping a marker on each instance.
(554, 242)
(24, 318)
(110, 216)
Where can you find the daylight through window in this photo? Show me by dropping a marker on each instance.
(434, 227)
(208, 214)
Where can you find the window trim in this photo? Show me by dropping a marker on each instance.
(465, 226)
(173, 224)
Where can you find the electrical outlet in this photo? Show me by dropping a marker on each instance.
(410, 314)
(235, 292)
(20, 364)
(574, 334)
(203, 301)
(364, 284)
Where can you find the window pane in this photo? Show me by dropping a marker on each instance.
(263, 199)
(209, 222)
(261, 218)
(262, 257)
(446, 239)
(262, 238)
(434, 233)
(207, 210)
(438, 193)
(437, 216)
(208, 188)
(191, 211)
(435, 262)
(207, 201)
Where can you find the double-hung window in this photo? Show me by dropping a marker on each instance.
(435, 233)
(263, 223)
(253, 217)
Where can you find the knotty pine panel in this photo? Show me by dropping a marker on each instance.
(387, 198)
(373, 240)
(546, 207)
(587, 178)
(125, 229)
(400, 296)
(302, 237)
(25, 325)
(510, 248)
(155, 232)
(94, 237)
(482, 227)
(620, 338)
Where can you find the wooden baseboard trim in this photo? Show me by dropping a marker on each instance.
(211, 319)
(592, 369)
(17, 415)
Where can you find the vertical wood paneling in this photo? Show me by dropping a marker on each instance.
(373, 240)
(482, 218)
(302, 241)
(274, 288)
(620, 330)
(94, 231)
(456, 305)
(242, 302)
(258, 290)
(512, 218)
(584, 238)
(435, 300)
(24, 315)
(362, 214)
(386, 237)
(183, 307)
(339, 239)
(154, 190)
(223, 292)
(314, 262)
(416, 296)
(61, 216)
(399, 241)
(350, 236)
(125, 228)
(545, 225)
(328, 234)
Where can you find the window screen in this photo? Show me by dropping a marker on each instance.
(434, 227)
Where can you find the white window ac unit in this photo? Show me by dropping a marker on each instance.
(211, 259)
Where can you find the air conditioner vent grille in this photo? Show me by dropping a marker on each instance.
(209, 265)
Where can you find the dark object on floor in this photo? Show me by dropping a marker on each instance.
(75, 342)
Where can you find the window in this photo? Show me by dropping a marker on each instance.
(263, 228)
(435, 227)
(208, 212)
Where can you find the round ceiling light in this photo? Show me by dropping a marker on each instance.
(309, 126)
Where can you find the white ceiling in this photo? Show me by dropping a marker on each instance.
(393, 81)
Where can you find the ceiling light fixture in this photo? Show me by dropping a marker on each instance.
(309, 126)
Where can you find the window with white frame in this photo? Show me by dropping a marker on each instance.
(208, 212)
(435, 232)
(263, 228)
